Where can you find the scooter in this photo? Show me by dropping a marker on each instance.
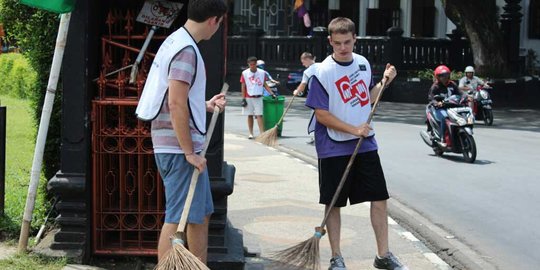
(482, 105)
(459, 128)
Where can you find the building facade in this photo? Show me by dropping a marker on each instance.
(417, 18)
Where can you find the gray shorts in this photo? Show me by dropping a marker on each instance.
(254, 106)
(176, 173)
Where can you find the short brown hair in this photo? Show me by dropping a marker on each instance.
(341, 25)
(307, 55)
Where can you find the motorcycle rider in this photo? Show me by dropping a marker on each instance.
(443, 87)
(469, 82)
(261, 64)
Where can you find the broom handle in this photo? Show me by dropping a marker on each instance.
(135, 66)
(286, 110)
(351, 160)
(195, 175)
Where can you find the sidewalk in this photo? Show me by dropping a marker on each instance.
(275, 204)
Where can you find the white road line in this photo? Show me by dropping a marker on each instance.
(409, 236)
(432, 257)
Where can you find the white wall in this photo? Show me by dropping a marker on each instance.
(406, 11)
(362, 24)
(524, 42)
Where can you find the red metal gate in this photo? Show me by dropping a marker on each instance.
(128, 200)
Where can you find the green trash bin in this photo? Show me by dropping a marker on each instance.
(58, 6)
(272, 111)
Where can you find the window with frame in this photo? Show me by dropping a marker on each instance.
(534, 19)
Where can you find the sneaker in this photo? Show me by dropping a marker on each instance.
(389, 262)
(250, 136)
(337, 263)
(442, 144)
(311, 141)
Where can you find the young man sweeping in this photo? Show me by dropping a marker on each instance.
(174, 99)
(253, 81)
(341, 93)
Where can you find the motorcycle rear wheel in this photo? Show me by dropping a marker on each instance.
(468, 147)
(488, 117)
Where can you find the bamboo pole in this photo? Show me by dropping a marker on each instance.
(43, 129)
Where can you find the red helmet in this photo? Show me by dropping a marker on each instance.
(442, 69)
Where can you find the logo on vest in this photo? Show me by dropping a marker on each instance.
(255, 80)
(357, 91)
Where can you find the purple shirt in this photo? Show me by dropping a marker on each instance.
(326, 147)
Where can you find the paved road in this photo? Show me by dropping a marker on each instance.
(491, 205)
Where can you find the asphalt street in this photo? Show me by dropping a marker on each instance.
(491, 205)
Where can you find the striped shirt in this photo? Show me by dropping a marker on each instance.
(182, 68)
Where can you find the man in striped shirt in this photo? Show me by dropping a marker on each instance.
(177, 83)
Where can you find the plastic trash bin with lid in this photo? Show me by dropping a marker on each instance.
(272, 111)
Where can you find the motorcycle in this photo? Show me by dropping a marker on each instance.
(459, 128)
(481, 105)
(273, 86)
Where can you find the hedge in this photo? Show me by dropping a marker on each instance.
(17, 78)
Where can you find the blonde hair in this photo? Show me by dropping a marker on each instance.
(341, 25)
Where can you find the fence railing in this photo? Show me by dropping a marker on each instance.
(420, 53)
(283, 53)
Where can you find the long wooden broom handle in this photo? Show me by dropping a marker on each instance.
(286, 110)
(195, 175)
(351, 160)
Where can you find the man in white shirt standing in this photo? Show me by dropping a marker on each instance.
(253, 86)
(308, 61)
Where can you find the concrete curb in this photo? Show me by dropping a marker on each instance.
(448, 247)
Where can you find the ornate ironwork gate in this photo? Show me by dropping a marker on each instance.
(128, 200)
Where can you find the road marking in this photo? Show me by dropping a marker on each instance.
(409, 236)
(432, 257)
(426, 252)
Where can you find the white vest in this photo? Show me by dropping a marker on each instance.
(254, 81)
(157, 83)
(310, 71)
(348, 92)
(306, 78)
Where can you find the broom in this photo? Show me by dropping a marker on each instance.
(179, 257)
(305, 255)
(269, 137)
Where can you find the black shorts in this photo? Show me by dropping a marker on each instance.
(365, 181)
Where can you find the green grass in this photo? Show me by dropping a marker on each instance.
(30, 261)
(20, 144)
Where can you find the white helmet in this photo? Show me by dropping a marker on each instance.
(469, 69)
(260, 62)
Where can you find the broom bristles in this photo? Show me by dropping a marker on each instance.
(304, 255)
(180, 258)
(268, 137)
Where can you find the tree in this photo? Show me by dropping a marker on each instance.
(479, 21)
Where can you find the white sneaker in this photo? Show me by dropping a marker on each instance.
(250, 136)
